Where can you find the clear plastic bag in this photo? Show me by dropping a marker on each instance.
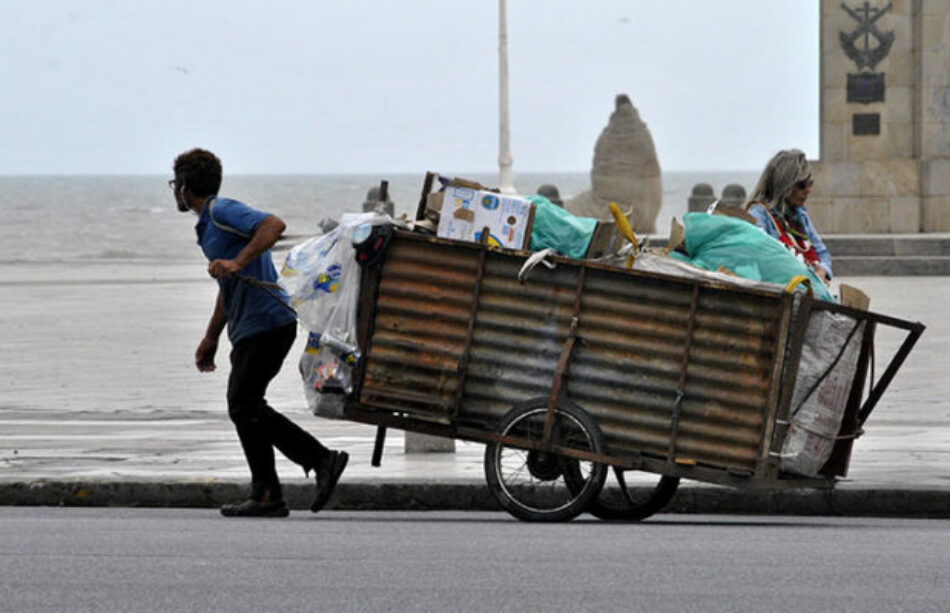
(325, 378)
(322, 277)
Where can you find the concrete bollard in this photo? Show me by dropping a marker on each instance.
(551, 193)
(377, 201)
(701, 198)
(733, 194)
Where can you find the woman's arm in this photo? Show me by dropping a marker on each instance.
(824, 256)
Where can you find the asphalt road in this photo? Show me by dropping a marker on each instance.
(75, 559)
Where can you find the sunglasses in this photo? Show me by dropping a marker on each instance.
(805, 183)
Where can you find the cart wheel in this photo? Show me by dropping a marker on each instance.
(531, 485)
(632, 501)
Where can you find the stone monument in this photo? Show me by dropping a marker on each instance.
(884, 163)
(625, 171)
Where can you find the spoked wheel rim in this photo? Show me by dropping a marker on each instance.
(531, 484)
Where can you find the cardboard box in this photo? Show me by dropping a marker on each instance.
(853, 297)
(606, 240)
(465, 212)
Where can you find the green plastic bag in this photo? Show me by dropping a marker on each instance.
(712, 241)
(559, 229)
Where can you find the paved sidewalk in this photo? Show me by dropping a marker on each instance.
(901, 467)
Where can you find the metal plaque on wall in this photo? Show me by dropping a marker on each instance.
(866, 124)
(866, 87)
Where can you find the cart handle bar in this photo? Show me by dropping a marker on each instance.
(913, 333)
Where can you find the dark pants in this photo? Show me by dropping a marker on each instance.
(254, 362)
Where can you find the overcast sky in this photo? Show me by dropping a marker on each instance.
(314, 86)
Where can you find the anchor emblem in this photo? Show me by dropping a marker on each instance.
(867, 17)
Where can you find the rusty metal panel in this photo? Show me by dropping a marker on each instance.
(422, 313)
(520, 330)
(628, 380)
(625, 370)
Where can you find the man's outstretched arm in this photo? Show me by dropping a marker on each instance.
(266, 234)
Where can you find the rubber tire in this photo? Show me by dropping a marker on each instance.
(642, 506)
(582, 491)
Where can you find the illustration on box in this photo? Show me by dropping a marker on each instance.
(467, 212)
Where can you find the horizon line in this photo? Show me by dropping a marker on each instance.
(345, 174)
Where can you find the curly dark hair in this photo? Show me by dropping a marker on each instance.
(199, 171)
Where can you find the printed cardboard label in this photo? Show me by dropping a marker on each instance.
(466, 212)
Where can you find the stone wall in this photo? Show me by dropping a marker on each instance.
(885, 117)
(935, 114)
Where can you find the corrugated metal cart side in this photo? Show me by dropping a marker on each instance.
(686, 378)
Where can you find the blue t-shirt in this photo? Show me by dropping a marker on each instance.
(224, 228)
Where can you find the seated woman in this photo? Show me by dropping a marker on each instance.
(778, 204)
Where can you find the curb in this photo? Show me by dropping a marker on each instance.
(460, 496)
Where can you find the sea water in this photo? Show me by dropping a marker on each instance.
(134, 219)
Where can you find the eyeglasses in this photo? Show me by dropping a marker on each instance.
(805, 183)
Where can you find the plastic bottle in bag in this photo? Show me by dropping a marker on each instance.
(321, 368)
(349, 353)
